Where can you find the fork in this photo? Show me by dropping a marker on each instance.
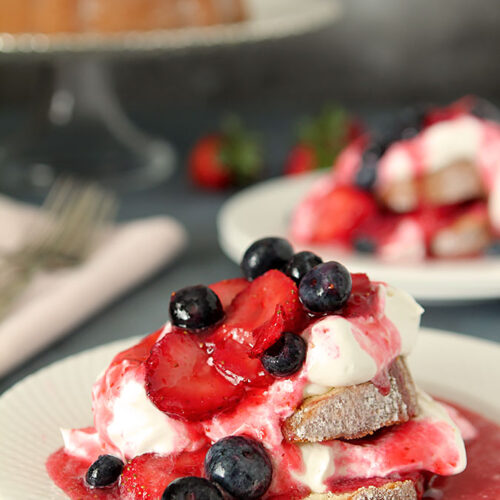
(73, 215)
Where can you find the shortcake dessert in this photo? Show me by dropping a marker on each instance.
(289, 383)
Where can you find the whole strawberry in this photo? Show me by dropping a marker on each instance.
(320, 140)
(230, 157)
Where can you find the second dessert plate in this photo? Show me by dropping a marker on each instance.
(266, 208)
(32, 412)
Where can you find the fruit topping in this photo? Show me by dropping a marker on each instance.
(352, 207)
(300, 264)
(325, 288)
(233, 360)
(191, 488)
(181, 383)
(146, 476)
(240, 465)
(104, 472)
(195, 307)
(254, 321)
(366, 176)
(227, 290)
(494, 248)
(286, 356)
(269, 307)
(265, 254)
(364, 244)
(486, 110)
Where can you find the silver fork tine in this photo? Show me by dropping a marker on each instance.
(53, 206)
(75, 214)
(89, 214)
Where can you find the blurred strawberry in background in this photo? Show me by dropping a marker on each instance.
(229, 157)
(320, 139)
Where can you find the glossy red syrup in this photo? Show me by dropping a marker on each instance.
(481, 478)
(68, 473)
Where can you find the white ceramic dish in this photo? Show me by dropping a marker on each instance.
(459, 368)
(265, 210)
(267, 19)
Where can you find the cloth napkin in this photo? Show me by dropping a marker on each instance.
(56, 302)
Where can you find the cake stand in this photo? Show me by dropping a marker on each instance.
(82, 127)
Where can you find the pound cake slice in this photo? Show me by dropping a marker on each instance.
(398, 490)
(355, 411)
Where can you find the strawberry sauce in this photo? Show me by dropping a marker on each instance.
(480, 480)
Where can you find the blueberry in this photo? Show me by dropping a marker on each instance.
(485, 110)
(240, 465)
(364, 244)
(191, 488)
(326, 287)
(104, 471)
(409, 121)
(493, 249)
(265, 254)
(366, 176)
(195, 307)
(286, 356)
(300, 263)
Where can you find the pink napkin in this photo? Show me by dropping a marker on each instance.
(56, 302)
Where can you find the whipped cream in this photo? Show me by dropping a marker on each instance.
(430, 442)
(435, 148)
(450, 141)
(349, 351)
(138, 427)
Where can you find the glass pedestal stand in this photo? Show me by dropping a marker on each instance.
(83, 131)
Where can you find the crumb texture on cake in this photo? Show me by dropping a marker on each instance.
(355, 411)
(400, 490)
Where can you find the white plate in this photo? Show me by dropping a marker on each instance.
(460, 368)
(267, 19)
(265, 210)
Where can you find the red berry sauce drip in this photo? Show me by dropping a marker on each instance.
(68, 473)
(481, 478)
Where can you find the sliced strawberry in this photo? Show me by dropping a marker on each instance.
(139, 352)
(257, 304)
(233, 360)
(269, 333)
(340, 212)
(146, 476)
(181, 383)
(228, 289)
(267, 307)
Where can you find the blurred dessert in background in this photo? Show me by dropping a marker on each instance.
(431, 188)
(114, 16)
